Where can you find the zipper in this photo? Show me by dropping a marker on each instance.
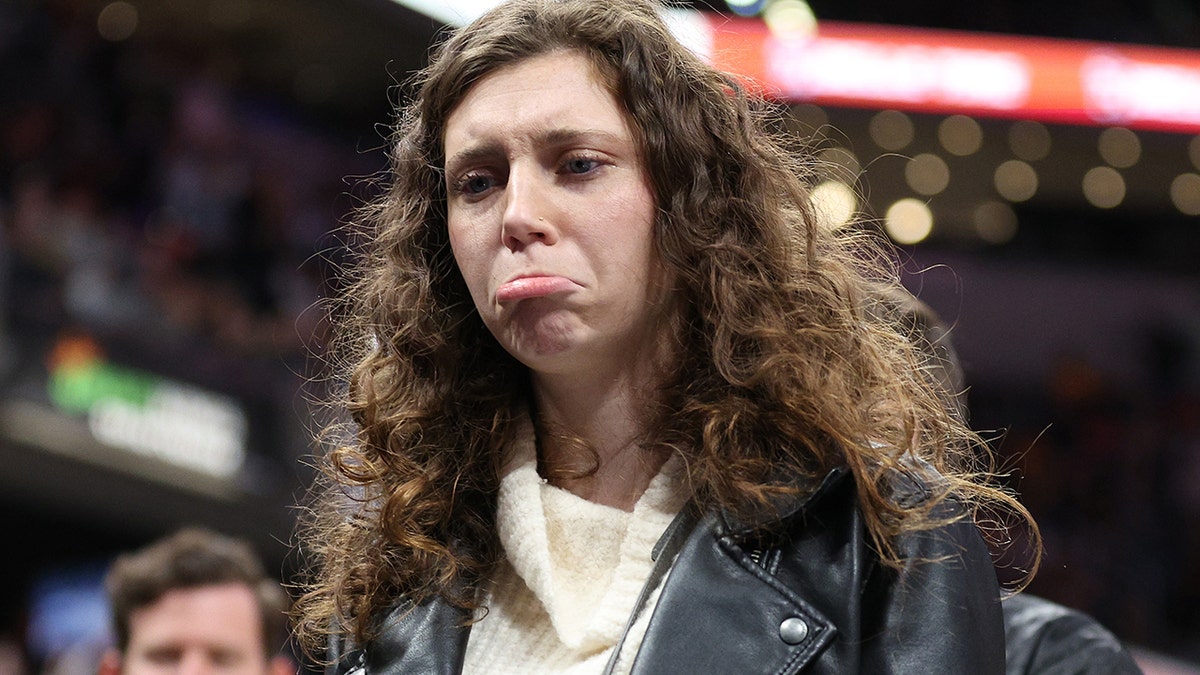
(765, 558)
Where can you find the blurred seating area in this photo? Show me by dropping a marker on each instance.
(147, 201)
(1112, 478)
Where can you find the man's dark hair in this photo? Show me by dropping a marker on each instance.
(192, 558)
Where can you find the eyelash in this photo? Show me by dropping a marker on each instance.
(590, 159)
(461, 186)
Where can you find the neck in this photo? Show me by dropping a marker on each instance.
(604, 416)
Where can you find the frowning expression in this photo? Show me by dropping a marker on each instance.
(551, 216)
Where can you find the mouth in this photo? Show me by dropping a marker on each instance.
(533, 286)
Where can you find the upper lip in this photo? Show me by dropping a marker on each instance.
(533, 275)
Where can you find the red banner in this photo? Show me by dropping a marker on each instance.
(861, 65)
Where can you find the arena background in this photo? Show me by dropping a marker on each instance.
(172, 174)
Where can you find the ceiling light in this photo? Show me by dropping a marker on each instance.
(1103, 187)
(908, 221)
(960, 135)
(891, 129)
(1015, 180)
(1029, 140)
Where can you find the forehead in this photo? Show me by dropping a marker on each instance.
(225, 614)
(559, 88)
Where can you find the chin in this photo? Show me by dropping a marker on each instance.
(548, 338)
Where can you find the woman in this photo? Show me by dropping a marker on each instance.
(619, 403)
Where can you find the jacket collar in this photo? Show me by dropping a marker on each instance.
(784, 508)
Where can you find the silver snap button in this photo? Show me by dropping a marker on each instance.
(793, 630)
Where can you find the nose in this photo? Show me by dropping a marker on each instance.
(529, 215)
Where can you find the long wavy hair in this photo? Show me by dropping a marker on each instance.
(784, 366)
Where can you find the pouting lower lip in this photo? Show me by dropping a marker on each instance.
(524, 288)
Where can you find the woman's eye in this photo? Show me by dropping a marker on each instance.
(474, 184)
(580, 165)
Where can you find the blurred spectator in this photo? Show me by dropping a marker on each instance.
(12, 660)
(1041, 637)
(195, 602)
(1110, 474)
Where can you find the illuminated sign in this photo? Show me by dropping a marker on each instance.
(857, 70)
(955, 72)
(936, 71)
(1123, 90)
(147, 414)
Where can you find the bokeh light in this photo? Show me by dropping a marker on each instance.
(1185, 193)
(960, 135)
(835, 203)
(1016, 181)
(927, 174)
(1029, 140)
(117, 21)
(790, 18)
(995, 222)
(840, 163)
(746, 7)
(891, 129)
(1103, 187)
(908, 221)
(1120, 147)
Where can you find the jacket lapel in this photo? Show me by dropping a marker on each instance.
(720, 612)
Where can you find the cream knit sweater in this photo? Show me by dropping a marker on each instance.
(572, 574)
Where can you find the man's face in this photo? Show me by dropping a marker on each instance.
(207, 629)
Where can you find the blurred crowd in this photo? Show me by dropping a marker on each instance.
(146, 200)
(1113, 478)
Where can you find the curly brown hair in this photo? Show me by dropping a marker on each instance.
(784, 367)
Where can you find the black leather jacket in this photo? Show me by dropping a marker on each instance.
(1045, 638)
(820, 603)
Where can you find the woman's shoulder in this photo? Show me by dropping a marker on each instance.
(937, 611)
(910, 483)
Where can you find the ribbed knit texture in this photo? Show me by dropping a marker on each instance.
(572, 574)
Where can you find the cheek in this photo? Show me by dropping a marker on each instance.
(639, 238)
(472, 263)
(462, 247)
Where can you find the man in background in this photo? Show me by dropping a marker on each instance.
(1041, 637)
(195, 602)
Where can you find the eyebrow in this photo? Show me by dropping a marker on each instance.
(472, 154)
(554, 137)
(558, 136)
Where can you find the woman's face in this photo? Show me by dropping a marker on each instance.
(551, 218)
